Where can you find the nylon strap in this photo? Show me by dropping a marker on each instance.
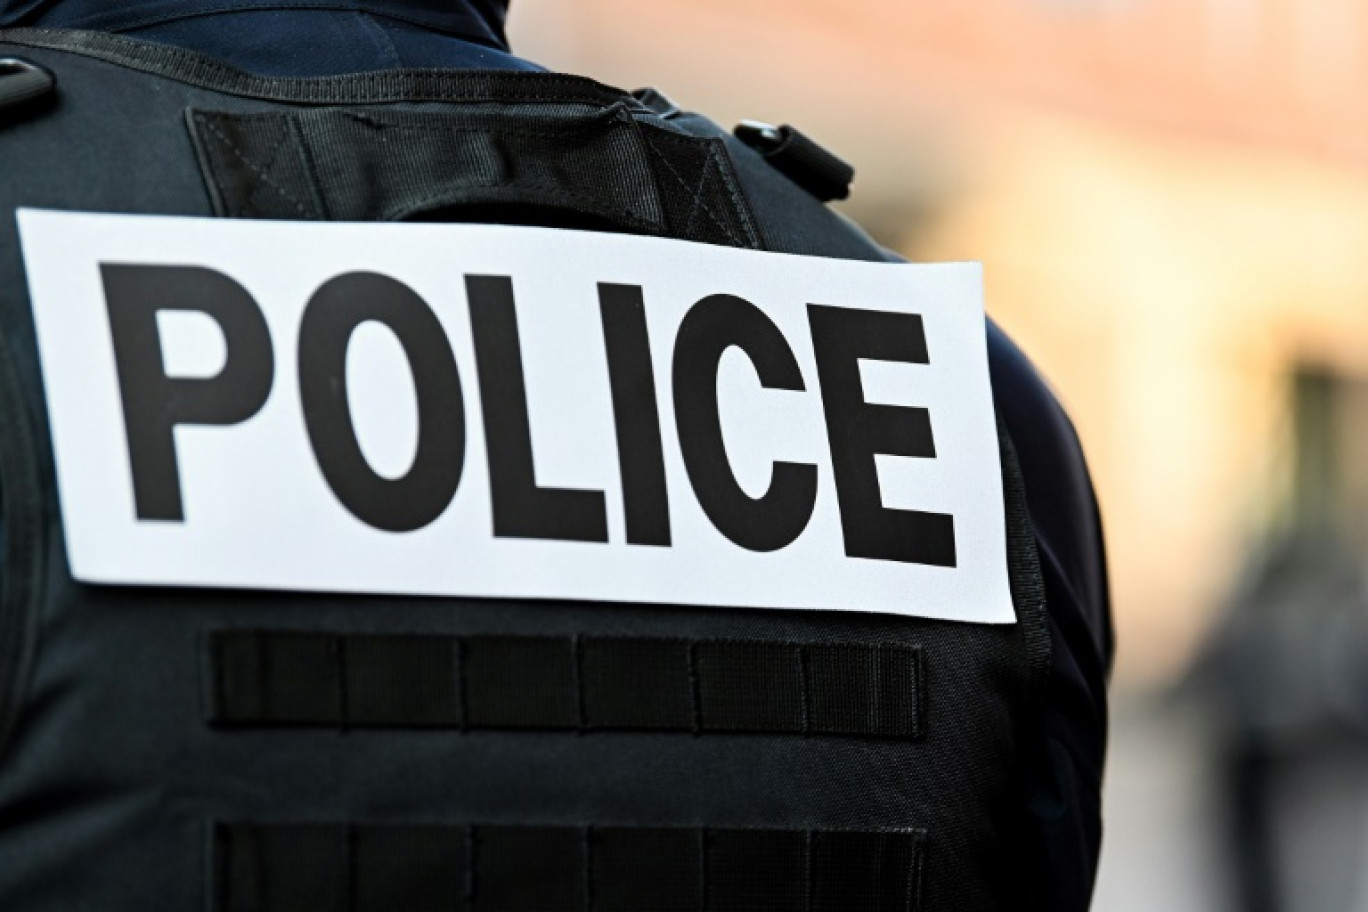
(264, 678)
(373, 164)
(369, 868)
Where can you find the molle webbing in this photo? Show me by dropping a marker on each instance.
(580, 684)
(369, 868)
(381, 165)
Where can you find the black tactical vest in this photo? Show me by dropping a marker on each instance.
(168, 749)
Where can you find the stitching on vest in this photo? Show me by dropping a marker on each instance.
(306, 153)
(697, 198)
(270, 165)
(810, 886)
(914, 882)
(718, 153)
(418, 84)
(704, 173)
(255, 169)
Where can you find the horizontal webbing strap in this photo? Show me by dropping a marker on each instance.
(369, 164)
(368, 868)
(263, 678)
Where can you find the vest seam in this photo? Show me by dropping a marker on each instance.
(375, 87)
(23, 554)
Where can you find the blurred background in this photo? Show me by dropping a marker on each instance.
(1170, 198)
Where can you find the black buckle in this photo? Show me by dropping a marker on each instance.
(816, 170)
(22, 82)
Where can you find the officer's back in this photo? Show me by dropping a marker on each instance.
(1045, 845)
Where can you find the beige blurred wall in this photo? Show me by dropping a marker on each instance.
(1167, 287)
(1170, 198)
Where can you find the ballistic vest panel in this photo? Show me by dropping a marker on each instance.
(169, 748)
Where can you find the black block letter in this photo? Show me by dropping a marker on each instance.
(644, 497)
(154, 403)
(711, 326)
(857, 430)
(332, 315)
(521, 508)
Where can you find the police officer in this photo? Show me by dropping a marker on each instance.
(399, 817)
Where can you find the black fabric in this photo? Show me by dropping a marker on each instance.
(865, 871)
(263, 678)
(700, 192)
(22, 534)
(657, 101)
(408, 678)
(520, 682)
(373, 165)
(854, 691)
(284, 867)
(478, 20)
(337, 42)
(755, 871)
(383, 166)
(755, 687)
(279, 678)
(378, 87)
(418, 868)
(638, 684)
(529, 868)
(370, 868)
(635, 869)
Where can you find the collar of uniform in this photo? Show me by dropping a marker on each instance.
(441, 84)
(476, 20)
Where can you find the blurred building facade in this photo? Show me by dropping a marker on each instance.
(1170, 198)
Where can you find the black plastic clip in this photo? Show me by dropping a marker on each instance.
(22, 82)
(798, 158)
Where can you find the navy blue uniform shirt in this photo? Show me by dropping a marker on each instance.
(326, 37)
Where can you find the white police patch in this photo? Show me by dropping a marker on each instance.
(476, 410)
